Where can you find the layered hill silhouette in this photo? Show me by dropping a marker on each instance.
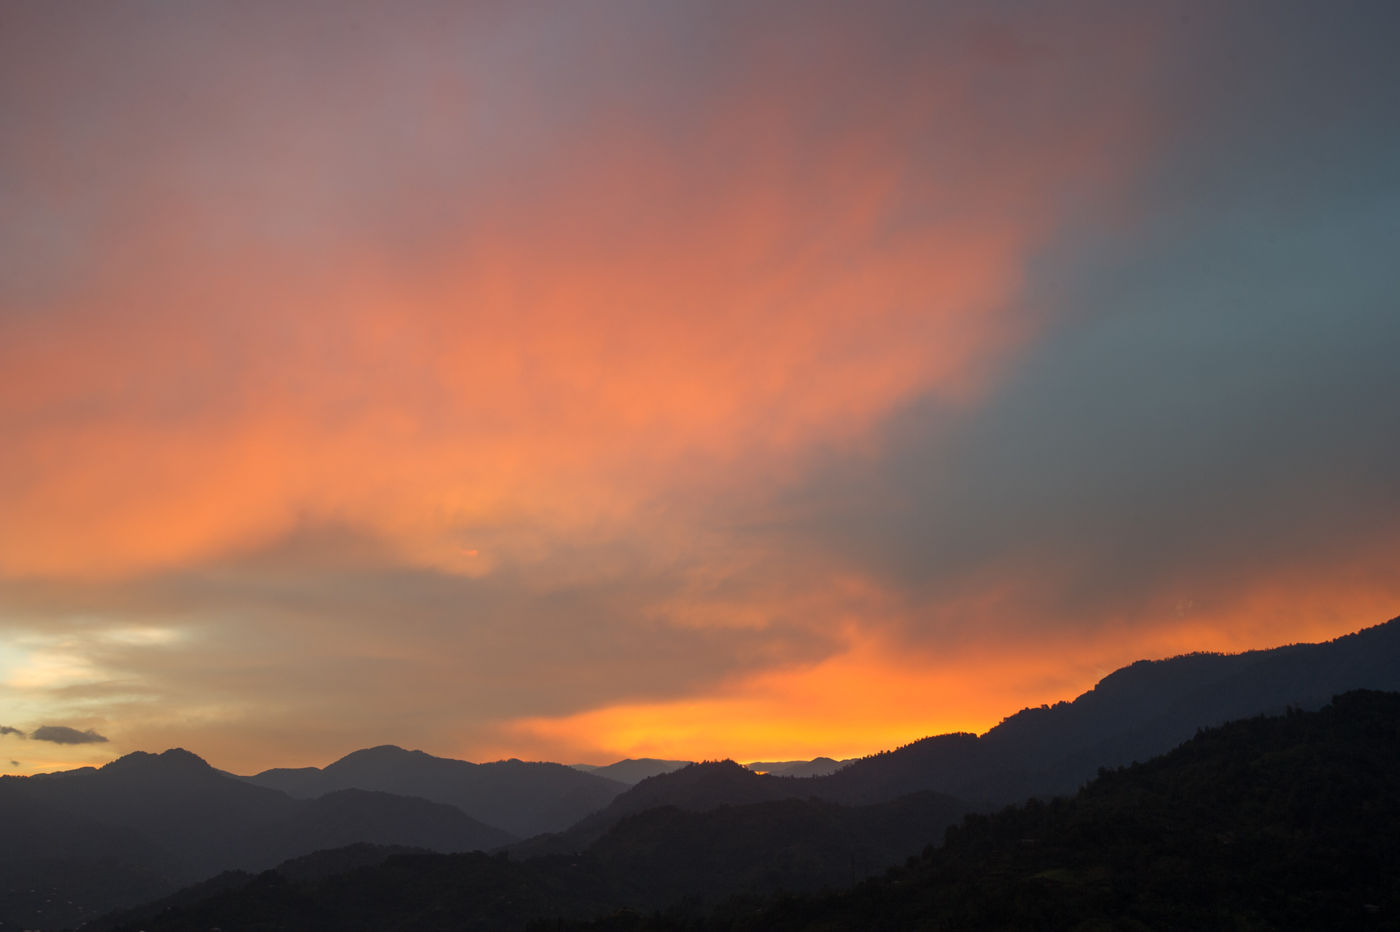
(1148, 708)
(205, 822)
(1135, 713)
(83, 842)
(524, 798)
(694, 788)
(632, 770)
(1277, 822)
(817, 767)
(650, 860)
(1281, 822)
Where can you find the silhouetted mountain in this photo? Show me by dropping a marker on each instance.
(83, 842)
(631, 771)
(174, 800)
(524, 798)
(345, 817)
(696, 787)
(659, 857)
(1268, 823)
(1281, 822)
(1133, 714)
(817, 767)
(707, 785)
(1151, 706)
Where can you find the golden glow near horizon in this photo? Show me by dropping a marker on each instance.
(685, 382)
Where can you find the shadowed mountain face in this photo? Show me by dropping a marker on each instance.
(521, 797)
(148, 823)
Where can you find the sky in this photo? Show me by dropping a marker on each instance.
(580, 381)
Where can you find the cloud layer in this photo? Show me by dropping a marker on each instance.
(686, 381)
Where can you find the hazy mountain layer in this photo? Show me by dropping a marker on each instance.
(632, 770)
(83, 842)
(817, 767)
(524, 798)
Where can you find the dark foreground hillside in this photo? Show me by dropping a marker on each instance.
(664, 858)
(1288, 822)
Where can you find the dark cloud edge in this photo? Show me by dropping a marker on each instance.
(62, 734)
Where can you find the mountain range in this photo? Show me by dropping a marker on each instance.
(1270, 822)
(1135, 713)
(632, 770)
(817, 767)
(95, 839)
(82, 842)
(523, 798)
(1265, 823)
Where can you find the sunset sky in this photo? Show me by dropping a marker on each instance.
(583, 380)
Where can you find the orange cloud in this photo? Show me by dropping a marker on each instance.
(663, 302)
(571, 326)
(880, 691)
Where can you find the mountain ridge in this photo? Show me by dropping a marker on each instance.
(1138, 711)
(1135, 713)
(523, 797)
(84, 842)
(1264, 822)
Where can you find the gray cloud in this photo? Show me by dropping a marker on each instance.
(1223, 414)
(1211, 405)
(317, 621)
(62, 734)
(7, 730)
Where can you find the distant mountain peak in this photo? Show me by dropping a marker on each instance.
(633, 769)
(381, 756)
(170, 760)
(380, 750)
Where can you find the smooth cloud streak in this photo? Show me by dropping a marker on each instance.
(62, 734)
